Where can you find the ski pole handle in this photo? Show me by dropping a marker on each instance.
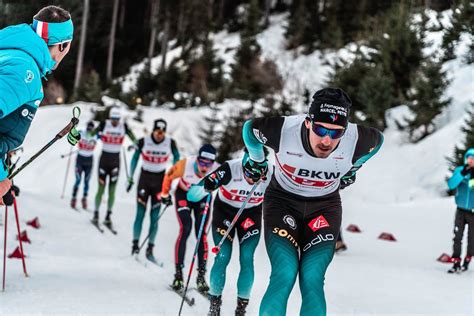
(217, 248)
(74, 121)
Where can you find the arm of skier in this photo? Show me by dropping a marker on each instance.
(136, 157)
(262, 131)
(175, 151)
(368, 144)
(456, 178)
(177, 171)
(130, 134)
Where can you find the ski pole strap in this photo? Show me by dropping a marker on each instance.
(236, 217)
(76, 113)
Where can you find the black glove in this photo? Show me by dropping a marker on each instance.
(166, 200)
(130, 184)
(8, 197)
(466, 170)
(210, 183)
(255, 170)
(16, 190)
(347, 181)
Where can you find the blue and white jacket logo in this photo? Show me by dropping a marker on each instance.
(259, 135)
(29, 76)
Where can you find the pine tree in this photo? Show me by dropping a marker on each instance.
(294, 30)
(375, 93)
(426, 99)
(230, 139)
(462, 21)
(348, 76)
(468, 130)
(209, 134)
(246, 57)
(399, 48)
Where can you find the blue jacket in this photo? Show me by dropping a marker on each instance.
(464, 185)
(24, 60)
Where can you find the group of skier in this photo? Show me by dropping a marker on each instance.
(315, 155)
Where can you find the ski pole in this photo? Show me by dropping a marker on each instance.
(72, 152)
(148, 236)
(201, 228)
(217, 248)
(125, 162)
(76, 112)
(67, 172)
(15, 207)
(5, 248)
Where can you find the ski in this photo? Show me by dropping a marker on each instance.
(155, 262)
(189, 300)
(145, 264)
(109, 227)
(96, 225)
(203, 294)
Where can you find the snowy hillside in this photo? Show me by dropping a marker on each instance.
(75, 270)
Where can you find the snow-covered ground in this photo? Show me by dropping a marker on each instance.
(76, 270)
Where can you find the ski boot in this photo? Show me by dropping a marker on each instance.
(215, 307)
(95, 219)
(202, 286)
(108, 221)
(73, 203)
(241, 306)
(340, 246)
(178, 283)
(466, 262)
(135, 247)
(84, 203)
(456, 267)
(149, 253)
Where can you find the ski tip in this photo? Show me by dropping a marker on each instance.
(215, 250)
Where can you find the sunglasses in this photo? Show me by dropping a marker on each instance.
(322, 131)
(205, 162)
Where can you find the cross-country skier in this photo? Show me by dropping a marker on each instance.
(156, 150)
(189, 171)
(234, 184)
(28, 52)
(302, 211)
(462, 181)
(112, 133)
(84, 161)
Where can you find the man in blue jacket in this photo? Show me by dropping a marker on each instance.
(462, 181)
(27, 54)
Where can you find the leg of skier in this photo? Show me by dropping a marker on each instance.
(183, 214)
(318, 250)
(154, 213)
(459, 224)
(87, 177)
(248, 243)
(198, 209)
(100, 192)
(75, 188)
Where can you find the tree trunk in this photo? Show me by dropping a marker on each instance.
(113, 27)
(82, 46)
(181, 22)
(122, 14)
(266, 18)
(164, 43)
(155, 5)
(220, 17)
